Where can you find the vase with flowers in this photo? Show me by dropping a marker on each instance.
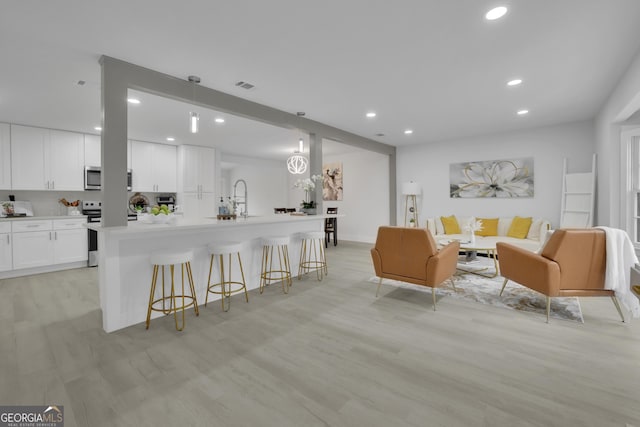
(470, 229)
(308, 205)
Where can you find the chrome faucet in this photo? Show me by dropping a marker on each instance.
(245, 211)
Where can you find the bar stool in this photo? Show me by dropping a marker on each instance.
(312, 255)
(283, 269)
(175, 302)
(226, 285)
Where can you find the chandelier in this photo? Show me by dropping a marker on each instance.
(297, 163)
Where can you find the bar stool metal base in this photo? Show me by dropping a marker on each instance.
(226, 287)
(312, 255)
(172, 303)
(282, 274)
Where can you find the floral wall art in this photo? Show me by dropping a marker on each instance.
(332, 181)
(492, 178)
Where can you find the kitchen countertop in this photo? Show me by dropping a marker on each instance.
(184, 224)
(35, 218)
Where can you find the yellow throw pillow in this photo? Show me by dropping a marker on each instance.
(450, 224)
(519, 227)
(489, 227)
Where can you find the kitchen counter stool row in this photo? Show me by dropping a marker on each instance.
(275, 267)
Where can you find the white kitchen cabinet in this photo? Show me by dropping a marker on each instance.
(69, 241)
(5, 157)
(197, 205)
(43, 159)
(196, 181)
(32, 249)
(154, 167)
(196, 172)
(92, 150)
(66, 161)
(38, 243)
(6, 257)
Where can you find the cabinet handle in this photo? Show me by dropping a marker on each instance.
(53, 185)
(55, 235)
(8, 240)
(50, 236)
(32, 225)
(47, 185)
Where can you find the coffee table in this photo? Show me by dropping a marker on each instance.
(481, 245)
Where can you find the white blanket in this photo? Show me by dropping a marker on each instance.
(621, 257)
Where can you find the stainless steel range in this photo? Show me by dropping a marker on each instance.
(93, 211)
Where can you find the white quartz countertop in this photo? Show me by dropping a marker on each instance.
(182, 224)
(36, 218)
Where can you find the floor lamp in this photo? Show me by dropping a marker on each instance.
(410, 191)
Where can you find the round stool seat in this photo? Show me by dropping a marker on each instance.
(222, 248)
(275, 240)
(312, 235)
(169, 257)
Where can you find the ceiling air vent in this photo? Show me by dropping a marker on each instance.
(245, 85)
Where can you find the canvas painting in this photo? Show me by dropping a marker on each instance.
(332, 181)
(492, 178)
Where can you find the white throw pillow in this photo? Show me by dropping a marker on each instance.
(534, 230)
(503, 225)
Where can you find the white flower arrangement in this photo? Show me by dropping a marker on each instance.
(473, 225)
(308, 185)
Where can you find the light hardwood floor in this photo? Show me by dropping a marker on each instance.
(327, 354)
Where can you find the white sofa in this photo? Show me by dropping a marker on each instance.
(535, 238)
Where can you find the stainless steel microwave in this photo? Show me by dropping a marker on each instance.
(92, 179)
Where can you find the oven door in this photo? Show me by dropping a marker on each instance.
(92, 178)
(92, 245)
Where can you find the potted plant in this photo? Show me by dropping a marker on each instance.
(308, 206)
(412, 222)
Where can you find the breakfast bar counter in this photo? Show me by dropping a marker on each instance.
(124, 270)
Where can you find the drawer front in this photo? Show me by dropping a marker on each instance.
(22, 226)
(5, 227)
(68, 224)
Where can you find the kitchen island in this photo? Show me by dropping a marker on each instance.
(124, 271)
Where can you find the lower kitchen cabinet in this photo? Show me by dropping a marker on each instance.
(32, 249)
(6, 256)
(40, 243)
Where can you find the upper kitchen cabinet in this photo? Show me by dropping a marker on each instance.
(5, 157)
(197, 169)
(92, 150)
(43, 159)
(154, 167)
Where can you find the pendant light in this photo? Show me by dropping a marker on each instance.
(297, 163)
(194, 118)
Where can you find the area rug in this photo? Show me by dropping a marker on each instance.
(486, 291)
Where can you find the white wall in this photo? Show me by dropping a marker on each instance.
(267, 182)
(365, 201)
(622, 103)
(428, 164)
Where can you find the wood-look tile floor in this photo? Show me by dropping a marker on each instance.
(327, 354)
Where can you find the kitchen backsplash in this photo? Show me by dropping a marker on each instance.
(47, 203)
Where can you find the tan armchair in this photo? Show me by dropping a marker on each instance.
(572, 264)
(411, 255)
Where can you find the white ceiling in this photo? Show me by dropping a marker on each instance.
(435, 66)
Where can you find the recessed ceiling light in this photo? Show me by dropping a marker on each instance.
(496, 13)
(408, 132)
(133, 101)
(170, 138)
(98, 128)
(371, 114)
(219, 120)
(523, 112)
(514, 82)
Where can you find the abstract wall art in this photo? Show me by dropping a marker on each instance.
(492, 179)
